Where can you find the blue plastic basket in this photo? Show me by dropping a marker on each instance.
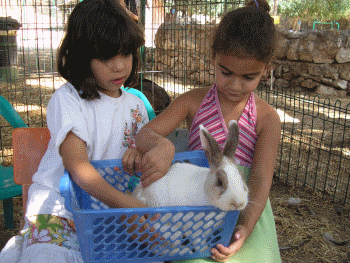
(144, 234)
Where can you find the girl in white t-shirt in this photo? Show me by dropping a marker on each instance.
(89, 118)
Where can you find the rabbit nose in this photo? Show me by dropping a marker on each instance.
(237, 205)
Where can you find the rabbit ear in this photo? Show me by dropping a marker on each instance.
(211, 147)
(231, 140)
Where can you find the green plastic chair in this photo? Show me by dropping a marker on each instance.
(8, 187)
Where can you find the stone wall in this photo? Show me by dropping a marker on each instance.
(184, 51)
(314, 61)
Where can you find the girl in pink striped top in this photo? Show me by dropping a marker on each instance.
(209, 114)
(242, 49)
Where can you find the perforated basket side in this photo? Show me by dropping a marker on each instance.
(146, 234)
(156, 234)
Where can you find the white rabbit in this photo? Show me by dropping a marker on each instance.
(222, 185)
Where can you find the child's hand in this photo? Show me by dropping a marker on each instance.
(132, 160)
(222, 253)
(156, 162)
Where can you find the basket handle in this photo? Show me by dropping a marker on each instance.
(65, 186)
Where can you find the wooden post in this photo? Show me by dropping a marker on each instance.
(275, 4)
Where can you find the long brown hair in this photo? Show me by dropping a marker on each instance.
(247, 31)
(97, 29)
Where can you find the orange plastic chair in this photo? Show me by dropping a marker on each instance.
(29, 146)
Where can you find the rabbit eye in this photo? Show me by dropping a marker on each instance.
(219, 182)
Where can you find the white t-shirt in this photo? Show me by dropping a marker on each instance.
(106, 125)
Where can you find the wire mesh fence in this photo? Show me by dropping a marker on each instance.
(314, 150)
(29, 82)
(178, 35)
(315, 145)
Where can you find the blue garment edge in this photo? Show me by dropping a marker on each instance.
(150, 111)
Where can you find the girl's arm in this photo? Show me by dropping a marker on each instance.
(259, 183)
(152, 142)
(75, 160)
(261, 174)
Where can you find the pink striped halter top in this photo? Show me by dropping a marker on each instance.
(210, 116)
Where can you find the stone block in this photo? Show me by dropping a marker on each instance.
(308, 57)
(169, 45)
(326, 81)
(305, 50)
(282, 83)
(330, 91)
(340, 84)
(278, 71)
(314, 70)
(343, 56)
(309, 84)
(345, 74)
(295, 83)
(281, 47)
(287, 76)
(320, 57)
(285, 68)
(330, 72)
(326, 90)
(292, 52)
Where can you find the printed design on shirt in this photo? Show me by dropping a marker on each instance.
(51, 229)
(130, 132)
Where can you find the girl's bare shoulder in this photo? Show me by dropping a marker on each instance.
(267, 116)
(197, 92)
(195, 96)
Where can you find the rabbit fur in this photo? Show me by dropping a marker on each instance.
(222, 185)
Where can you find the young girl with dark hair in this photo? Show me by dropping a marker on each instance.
(242, 49)
(90, 118)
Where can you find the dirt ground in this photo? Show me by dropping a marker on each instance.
(306, 231)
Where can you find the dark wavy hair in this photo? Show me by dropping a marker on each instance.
(97, 29)
(245, 31)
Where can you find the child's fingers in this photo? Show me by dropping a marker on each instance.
(153, 168)
(146, 163)
(222, 253)
(151, 179)
(137, 163)
(147, 171)
(152, 158)
(217, 256)
(226, 251)
(131, 161)
(126, 161)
